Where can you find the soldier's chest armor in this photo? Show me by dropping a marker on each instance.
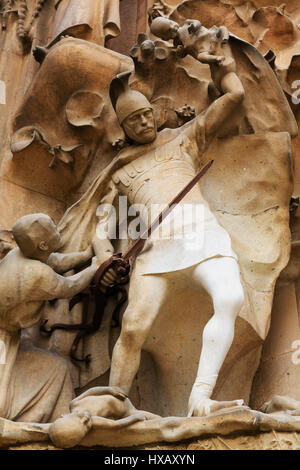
(157, 175)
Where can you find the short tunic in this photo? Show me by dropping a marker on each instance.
(191, 234)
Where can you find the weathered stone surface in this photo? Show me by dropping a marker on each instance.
(224, 90)
(238, 429)
(63, 118)
(27, 202)
(279, 368)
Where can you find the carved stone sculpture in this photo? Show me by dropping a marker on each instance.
(135, 115)
(65, 137)
(102, 134)
(108, 403)
(27, 281)
(77, 233)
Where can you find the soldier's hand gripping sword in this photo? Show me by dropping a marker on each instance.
(120, 264)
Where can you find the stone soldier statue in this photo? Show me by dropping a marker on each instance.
(152, 170)
(161, 168)
(92, 20)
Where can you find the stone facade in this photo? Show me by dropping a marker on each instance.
(104, 100)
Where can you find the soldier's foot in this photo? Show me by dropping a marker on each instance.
(205, 406)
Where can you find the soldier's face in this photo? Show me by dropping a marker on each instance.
(140, 126)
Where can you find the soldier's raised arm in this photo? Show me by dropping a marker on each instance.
(220, 110)
(208, 123)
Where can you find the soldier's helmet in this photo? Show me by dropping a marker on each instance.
(126, 101)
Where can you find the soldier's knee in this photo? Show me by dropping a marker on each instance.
(230, 301)
(133, 332)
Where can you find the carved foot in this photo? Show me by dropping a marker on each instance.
(205, 406)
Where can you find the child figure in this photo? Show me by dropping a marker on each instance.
(26, 281)
(209, 46)
(109, 407)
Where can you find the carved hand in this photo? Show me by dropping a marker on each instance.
(109, 278)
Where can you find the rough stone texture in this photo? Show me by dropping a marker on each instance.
(279, 367)
(270, 26)
(58, 128)
(266, 441)
(28, 202)
(249, 187)
(243, 430)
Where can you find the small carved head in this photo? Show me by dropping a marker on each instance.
(140, 126)
(69, 430)
(193, 26)
(188, 31)
(164, 28)
(37, 236)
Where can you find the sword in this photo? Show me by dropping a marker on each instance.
(113, 260)
(120, 263)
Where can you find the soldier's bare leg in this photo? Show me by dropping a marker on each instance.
(221, 279)
(146, 296)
